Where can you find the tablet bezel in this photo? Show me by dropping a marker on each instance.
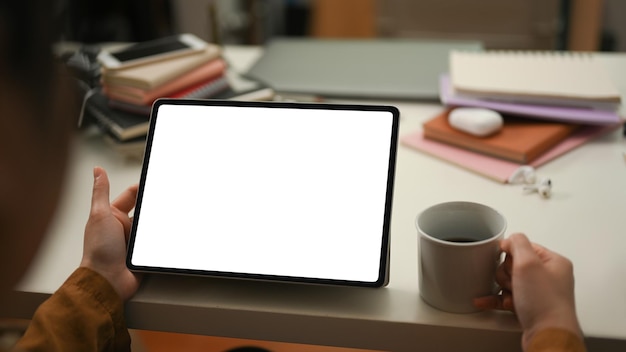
(383, 271)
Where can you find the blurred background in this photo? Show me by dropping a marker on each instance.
(512, 24)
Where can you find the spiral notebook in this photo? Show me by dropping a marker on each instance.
(550, 78)
(538, 111)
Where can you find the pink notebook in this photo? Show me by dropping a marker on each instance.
(493, 168)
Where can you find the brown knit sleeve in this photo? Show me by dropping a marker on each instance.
(84, 314)
(556, 340)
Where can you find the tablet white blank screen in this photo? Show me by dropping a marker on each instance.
(266, 191)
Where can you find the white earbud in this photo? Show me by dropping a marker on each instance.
(524, 174)
(543, 187)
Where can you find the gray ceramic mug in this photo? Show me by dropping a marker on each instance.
(459, 251)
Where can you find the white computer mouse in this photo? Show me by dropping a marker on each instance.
(476, 121)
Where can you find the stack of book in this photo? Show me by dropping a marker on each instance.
(561, 86)
(122, 103)
(551, 103)
(134, 89)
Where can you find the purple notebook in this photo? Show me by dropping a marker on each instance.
(557, 113)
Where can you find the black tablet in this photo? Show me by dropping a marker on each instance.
(265, 190)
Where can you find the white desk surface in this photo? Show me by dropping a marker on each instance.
(583, 220)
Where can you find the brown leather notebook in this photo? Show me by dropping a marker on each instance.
(520, 140)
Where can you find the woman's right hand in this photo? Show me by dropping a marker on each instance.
(538, 285)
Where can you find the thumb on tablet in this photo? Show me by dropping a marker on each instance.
(100, 195)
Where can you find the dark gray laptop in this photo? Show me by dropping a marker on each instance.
(368, 68)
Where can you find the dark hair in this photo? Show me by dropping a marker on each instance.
(27, 31)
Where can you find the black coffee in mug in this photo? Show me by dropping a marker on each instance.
(461, 239)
